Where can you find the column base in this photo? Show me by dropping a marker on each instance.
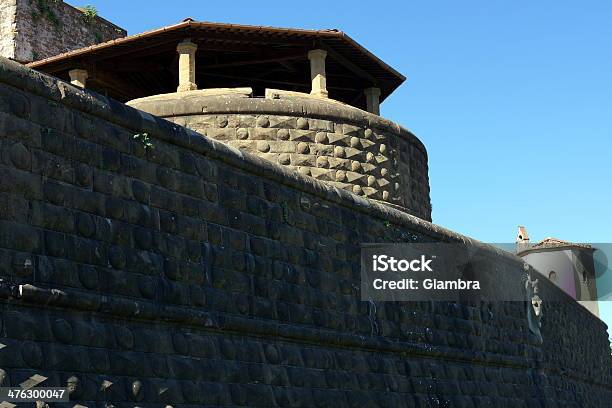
(320, 94)
(187, 87)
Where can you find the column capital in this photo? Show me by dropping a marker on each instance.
(372, 91)
(317, 54)
(372, 96)
(186, 47)
(78, 77)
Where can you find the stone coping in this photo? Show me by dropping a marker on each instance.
(197, 93)
(276, 102)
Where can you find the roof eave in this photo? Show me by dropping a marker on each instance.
(107, 44)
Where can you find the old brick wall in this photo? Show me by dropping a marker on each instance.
(194, 274)
(38, 29)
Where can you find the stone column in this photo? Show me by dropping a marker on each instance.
(372, 100)
(186, 50)
(317, 72)
(78, 77)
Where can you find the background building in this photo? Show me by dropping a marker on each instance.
(36, 29)
(568, 265)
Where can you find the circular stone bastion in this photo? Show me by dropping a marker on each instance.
(333, 142)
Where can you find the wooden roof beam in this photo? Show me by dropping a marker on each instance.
(301, 55)
(117, 85)
(349, 65)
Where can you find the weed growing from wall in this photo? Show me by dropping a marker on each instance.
(145, 140)
(89, 13)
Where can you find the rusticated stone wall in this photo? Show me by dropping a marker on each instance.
(194, 274)
(336, 143)
(36, 29)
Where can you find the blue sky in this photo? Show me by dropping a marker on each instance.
(513, 99)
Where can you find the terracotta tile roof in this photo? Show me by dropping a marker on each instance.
(346, 57)
(553, 243)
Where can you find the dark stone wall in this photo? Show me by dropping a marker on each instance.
(194, 274)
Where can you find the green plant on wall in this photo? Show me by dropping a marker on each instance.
(45, 10)
(89, 13)
(144, 139)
